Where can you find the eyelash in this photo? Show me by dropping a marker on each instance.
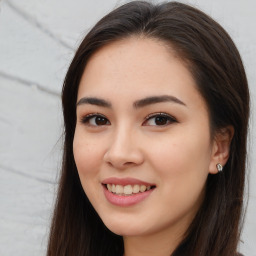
(170, 119)
(87, 118)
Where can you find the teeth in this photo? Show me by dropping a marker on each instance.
(143, 188)
(128, 189)
(119, 189)
(136, 189)
(109, 187)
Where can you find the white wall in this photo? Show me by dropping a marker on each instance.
(37, 42)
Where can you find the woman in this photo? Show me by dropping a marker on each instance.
(156, 107)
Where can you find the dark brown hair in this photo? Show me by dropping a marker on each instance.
(216, 66)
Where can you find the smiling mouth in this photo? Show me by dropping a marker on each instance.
(127, 190)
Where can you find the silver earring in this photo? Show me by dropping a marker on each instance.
(219, 167)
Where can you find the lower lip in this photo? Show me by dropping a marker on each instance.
(129, 200)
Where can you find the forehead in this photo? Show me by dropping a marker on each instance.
(137, 67)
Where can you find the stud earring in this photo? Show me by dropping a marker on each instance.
(219, 167)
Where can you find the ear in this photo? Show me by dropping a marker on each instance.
(221, 148)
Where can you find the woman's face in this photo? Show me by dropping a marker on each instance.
(142, 142)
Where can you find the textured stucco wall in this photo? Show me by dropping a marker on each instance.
(37, 42)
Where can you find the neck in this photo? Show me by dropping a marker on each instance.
(151, 245)
(161, 242)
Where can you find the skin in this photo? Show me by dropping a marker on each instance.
(177, 156)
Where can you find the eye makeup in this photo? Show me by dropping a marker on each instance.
(161, 119)
(95, 119)
(153, 119)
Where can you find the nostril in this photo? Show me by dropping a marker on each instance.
(128, 163)
(123, 157)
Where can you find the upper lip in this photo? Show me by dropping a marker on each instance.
(126, 181)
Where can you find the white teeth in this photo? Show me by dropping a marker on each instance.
(136, 189)
(109, 187)
(128, 189)
(119, 189)
(143, 188)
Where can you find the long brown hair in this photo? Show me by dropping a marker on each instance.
(214, 61)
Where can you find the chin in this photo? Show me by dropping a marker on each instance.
(124, 229)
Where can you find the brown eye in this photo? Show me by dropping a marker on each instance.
(95, 120)
(99, 120)
(160, 119)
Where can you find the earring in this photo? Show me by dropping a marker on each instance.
(219, 167)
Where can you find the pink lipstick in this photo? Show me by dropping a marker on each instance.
(126, 191)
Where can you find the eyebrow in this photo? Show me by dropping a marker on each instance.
(94, 101)
(157, 99)
(137, 104)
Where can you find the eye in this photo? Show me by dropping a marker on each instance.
(95, 120)
(159, 119)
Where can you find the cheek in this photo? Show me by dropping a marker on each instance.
(87, 156)
(179, 151)
(182, 162)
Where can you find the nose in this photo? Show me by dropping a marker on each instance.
(123, 151)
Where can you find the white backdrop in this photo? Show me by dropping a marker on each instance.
(37, 42)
